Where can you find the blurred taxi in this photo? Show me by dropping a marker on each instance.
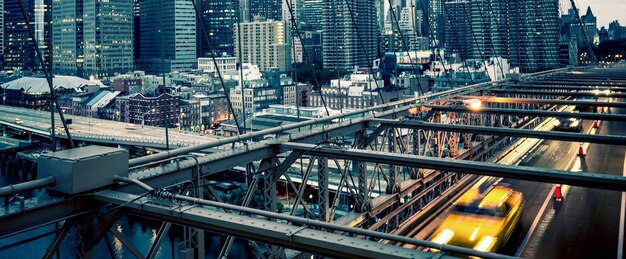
(483, 223)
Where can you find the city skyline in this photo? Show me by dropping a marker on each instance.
(606, 10)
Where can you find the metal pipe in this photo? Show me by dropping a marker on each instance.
(562, 136)
(542, 113)
(493, 99)
(321, 224)
(411, 101)
(26, 186)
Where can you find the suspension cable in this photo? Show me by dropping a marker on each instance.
(367, 54)
(47, 72)
(432, 36)
(306, 54)
(585, 36)
(217, 68)
(404, 44)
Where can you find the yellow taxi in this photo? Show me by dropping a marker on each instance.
(482, 222)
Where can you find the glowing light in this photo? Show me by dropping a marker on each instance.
(444, 237)
(485, 244)
(473, 104)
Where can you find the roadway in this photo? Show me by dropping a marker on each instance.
(99, 130)
(586, 223)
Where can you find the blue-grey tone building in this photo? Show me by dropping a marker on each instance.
(168, 36)
(19, 52)
(218, 18)
(92, 38)
(266, 9)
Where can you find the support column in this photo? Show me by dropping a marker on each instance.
(322, 196)
(359, 168)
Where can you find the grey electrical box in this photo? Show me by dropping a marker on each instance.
(82, 169)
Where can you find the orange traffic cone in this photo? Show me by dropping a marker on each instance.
(595, 124)
(558, 196)
(581, 151)
(601, 109)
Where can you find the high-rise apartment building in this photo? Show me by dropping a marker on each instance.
(346, 43)
(168, 36)
(92, 38)
(533, 34)
(524, 31)
(266, 9)
(311, 13)
(266, 44)
(19, 52)
(218, 18)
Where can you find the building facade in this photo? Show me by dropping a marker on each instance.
(218, 18)
(92, 38)
(175, 48)
(19, 52)
(342, 37)
(266, 44)
(153, 111)
(225, 64)
(266, 9)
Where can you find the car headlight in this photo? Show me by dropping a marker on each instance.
(485, 244)
(444, 237)
(575, 124)
(556, 123)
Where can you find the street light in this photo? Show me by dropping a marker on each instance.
(116, 115)
(143, 117)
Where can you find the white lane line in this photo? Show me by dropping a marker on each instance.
(622, 215)
(535, 222)
(573, 165)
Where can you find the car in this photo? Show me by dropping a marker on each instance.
(568, 124)
(18, 121)
(586, 108)
(481, 222)
(130, 126)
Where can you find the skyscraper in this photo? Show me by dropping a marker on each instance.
(19, 51)
(168, 36)
(534, 34)
(265, 43)
(341, 46)
(218, 18)
(266, 9)
(524, 31)
(92, 38)
(311, 13)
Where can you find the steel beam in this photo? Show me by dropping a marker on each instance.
(593, 180)
(289, 236)
(563, 136)
(493, 99)
(556, 93)
(563, 87)
(540, 113)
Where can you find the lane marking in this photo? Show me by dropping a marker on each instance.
(622, 215)
(574, 165)
(535, 222)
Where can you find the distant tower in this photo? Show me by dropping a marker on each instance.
(19, 52)
(172, 22)
(533, 34)
(341, 47)
(266, 9)
(97, 44)
(218, 18)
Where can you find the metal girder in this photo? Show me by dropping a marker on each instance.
(44, 214)
(557, 93)
(322, 196)
(575, 83)
(493, 99)
(564, 136)
(564, 87)
(593, 180)
(156, 244)
(541, 113)
(58, 239)
(289, 236)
